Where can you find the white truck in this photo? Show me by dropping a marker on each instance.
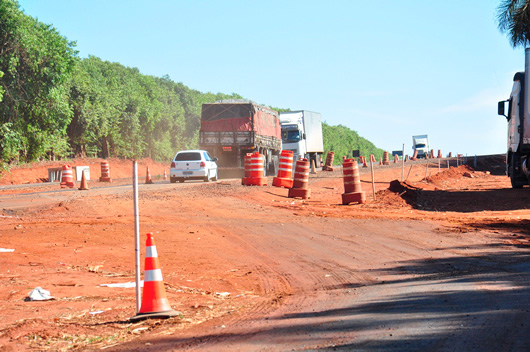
(518, 117)
(420, 143)
(302, 134)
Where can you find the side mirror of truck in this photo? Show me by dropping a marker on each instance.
(500, 108)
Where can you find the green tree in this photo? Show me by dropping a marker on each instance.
(36, 62)
(514, 18)
(342, 141)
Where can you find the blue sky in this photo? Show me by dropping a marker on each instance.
(387, 69)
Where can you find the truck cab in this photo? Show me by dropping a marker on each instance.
(293, 134)
(302, 134)
(420, 144)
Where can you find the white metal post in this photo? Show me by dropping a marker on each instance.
(136, 235)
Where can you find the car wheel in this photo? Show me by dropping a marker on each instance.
(207, 177)
(215, 177)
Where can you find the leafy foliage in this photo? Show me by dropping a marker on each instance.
(513, 16)
(36, 62)
(342, 140)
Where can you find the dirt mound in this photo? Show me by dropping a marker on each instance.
(443, 178)
(406, 191)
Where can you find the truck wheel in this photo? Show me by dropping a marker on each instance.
(515, 178)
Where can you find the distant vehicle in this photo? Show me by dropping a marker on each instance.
(232, 128)
(302, 134)
(518, 117)
(193, 165)
(420, 144)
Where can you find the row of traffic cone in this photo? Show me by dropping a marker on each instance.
(67, 179)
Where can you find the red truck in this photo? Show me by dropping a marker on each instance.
(232, 128)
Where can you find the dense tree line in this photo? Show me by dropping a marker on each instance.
(342, 141)
(54, 104)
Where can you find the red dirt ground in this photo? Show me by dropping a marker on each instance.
(213, 273)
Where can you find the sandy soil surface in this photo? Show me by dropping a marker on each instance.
(432, 263)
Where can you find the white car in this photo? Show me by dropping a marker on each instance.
(193, 165)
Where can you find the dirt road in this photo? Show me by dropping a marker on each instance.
(440, 264)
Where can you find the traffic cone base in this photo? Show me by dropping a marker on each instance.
(282, 182)
(158, 315)
(256, 181)
(357, 197)
(299, 193)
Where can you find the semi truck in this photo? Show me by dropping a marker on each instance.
(232, 128)
(302, 134)
(518, 118)
(420, 143)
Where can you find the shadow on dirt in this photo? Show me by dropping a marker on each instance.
(478, 303)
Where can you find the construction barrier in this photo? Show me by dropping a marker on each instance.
(257, 171)
(329, 162)
(67, 179)
(353, 192)
(431, 155)
(247, 168)
(301, 180)
(55, 174)
(365, 163)
(165, 175)
(440, 154)
(154, 300)
(396, 158)
(372, 159)
(386, 160)
(285, 170)
(148, 179)
(414, 156)
(105, 172)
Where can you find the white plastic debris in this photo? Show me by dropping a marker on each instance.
(40, 294)
(223, 294)
(6, 250)
(123, 285)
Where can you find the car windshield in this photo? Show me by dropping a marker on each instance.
(420, 145)
(188, 156)
(290, 136)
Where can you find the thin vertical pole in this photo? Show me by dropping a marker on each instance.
(439, 161)
(426, 168)
(403, 163)
(136, 234)
(373, 179)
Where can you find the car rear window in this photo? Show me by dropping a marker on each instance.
(188, 156)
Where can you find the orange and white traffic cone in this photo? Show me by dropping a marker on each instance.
(154, 300)
(165, 175)
(84, 185)
(148, 179)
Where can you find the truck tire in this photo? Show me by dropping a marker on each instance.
(515, 178)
